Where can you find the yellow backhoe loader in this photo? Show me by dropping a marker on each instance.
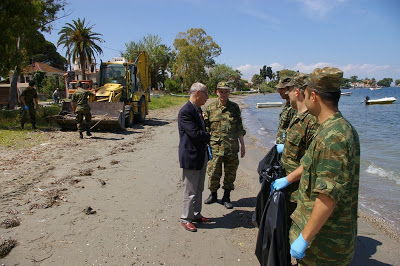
(122, 96)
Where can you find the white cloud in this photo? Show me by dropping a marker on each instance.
(360, 70)
(319, 7)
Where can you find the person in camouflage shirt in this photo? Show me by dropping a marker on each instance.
(298, 137)
(224, 122)
(324, 227)
(81, 108)
(29, 98)
(287, 111)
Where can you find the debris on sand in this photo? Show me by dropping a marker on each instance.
(10, 222)
(86, 172)
(103, 183)
(100, 167)
(114, 162)
(6, 246)
(88, 210)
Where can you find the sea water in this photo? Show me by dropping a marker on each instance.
(378, 127)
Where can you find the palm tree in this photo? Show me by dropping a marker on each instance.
(80, 41)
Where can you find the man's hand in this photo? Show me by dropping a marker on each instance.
(242, 151)
(279, 148)
(298, 248)
(279, 184)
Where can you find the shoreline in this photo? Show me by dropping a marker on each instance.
(132, 182)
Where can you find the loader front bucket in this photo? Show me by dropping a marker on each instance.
(105, 116)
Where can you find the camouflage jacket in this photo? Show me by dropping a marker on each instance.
(299, 135)
(29, 95)
(225, 126)
(81, 98)
(331, 166)
(285, 117)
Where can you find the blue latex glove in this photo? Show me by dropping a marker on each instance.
(279, 148)
(26, 107)
(279, 184)
(210, 156)
(298, 248)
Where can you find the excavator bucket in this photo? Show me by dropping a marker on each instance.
(105, 116)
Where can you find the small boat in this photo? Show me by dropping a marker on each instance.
(269, 104)
(375, 88)
(386, 100)
(348, 93)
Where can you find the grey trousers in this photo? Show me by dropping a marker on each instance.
(193, 187)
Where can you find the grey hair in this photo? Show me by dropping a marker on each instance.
(196, 87)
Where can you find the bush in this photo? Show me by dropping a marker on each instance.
(172, 86)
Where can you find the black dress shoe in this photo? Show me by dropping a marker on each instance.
(212, 198)
(227, 203)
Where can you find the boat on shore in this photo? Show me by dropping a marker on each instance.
(348, 93)
(386, 100)
(269, 104)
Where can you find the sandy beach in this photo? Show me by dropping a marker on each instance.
(116, 199)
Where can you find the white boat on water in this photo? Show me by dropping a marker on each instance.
(375, 88)
(269, 104)
(348, 93)
(386, 100)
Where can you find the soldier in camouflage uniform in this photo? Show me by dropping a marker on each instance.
(325, 220)
(29, 99)
(223, 121)
(81, 108)
(287, 111)
(299, 135)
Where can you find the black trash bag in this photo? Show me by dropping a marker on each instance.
(269, 169)
(272, 246)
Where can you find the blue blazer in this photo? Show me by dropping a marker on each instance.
(193, 138)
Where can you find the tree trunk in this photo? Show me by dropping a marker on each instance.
(83, 64)
(13, 88)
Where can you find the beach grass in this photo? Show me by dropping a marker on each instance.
(166, 101)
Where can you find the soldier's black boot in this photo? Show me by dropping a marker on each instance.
(80, 135)
(212, 198)
(22, 125)
(88, 132)
(226, 199)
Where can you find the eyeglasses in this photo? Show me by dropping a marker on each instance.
(206, 93)
(224, 91)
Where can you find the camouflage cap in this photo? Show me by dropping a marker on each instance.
(327, 79)
(298, 80)
(223, 85)
(283, 83)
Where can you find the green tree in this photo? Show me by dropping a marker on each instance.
(286, 73)
(80, 41)
(345, 83)
(48, 85)
(257, 80)
(159, 56)
(353, 79)
(269, 73)
(222, 72)
(397, 82)
(263, 72)
(385, 82)
(20, 24)
(47, 53)
(195, 51)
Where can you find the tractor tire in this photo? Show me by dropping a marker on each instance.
(129, 116)
(140, 117)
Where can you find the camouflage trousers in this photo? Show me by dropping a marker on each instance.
(32, 114)
(214, 171)
(83, 119)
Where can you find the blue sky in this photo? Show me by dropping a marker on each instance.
(361, 37)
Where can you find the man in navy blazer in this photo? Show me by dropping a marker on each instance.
(193, 155)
